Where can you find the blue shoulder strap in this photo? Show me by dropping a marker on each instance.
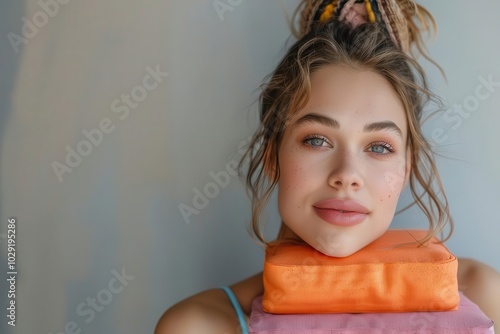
(237, 308)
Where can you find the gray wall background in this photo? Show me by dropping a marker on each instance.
(118, 209)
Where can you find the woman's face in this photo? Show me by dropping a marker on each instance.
(343, 161)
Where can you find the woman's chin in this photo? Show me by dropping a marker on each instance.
(337, 250)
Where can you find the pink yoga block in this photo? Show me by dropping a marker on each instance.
(467, 319)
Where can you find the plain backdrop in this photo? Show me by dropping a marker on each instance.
(117, 211)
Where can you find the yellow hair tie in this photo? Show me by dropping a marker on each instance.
(369, 10)
(327, 13)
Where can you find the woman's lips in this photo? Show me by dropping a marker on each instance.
(341, 212)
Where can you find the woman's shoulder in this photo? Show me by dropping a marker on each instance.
(205, 312)
(481, 284)
(211, 311)
(471, 271)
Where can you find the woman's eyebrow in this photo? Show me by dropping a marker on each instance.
(316, 118)
(385, 125)
(333, 123)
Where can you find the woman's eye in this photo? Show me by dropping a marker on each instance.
(315, 142)
(381, 148)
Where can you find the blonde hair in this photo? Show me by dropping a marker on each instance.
(366, 47)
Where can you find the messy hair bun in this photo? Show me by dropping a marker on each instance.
(404, 20)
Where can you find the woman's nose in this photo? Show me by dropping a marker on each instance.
(345, 174)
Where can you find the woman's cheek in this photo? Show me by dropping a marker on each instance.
(389, 184)
(394, 177)
(294, 164)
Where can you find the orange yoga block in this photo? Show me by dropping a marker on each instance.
(377, 278)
